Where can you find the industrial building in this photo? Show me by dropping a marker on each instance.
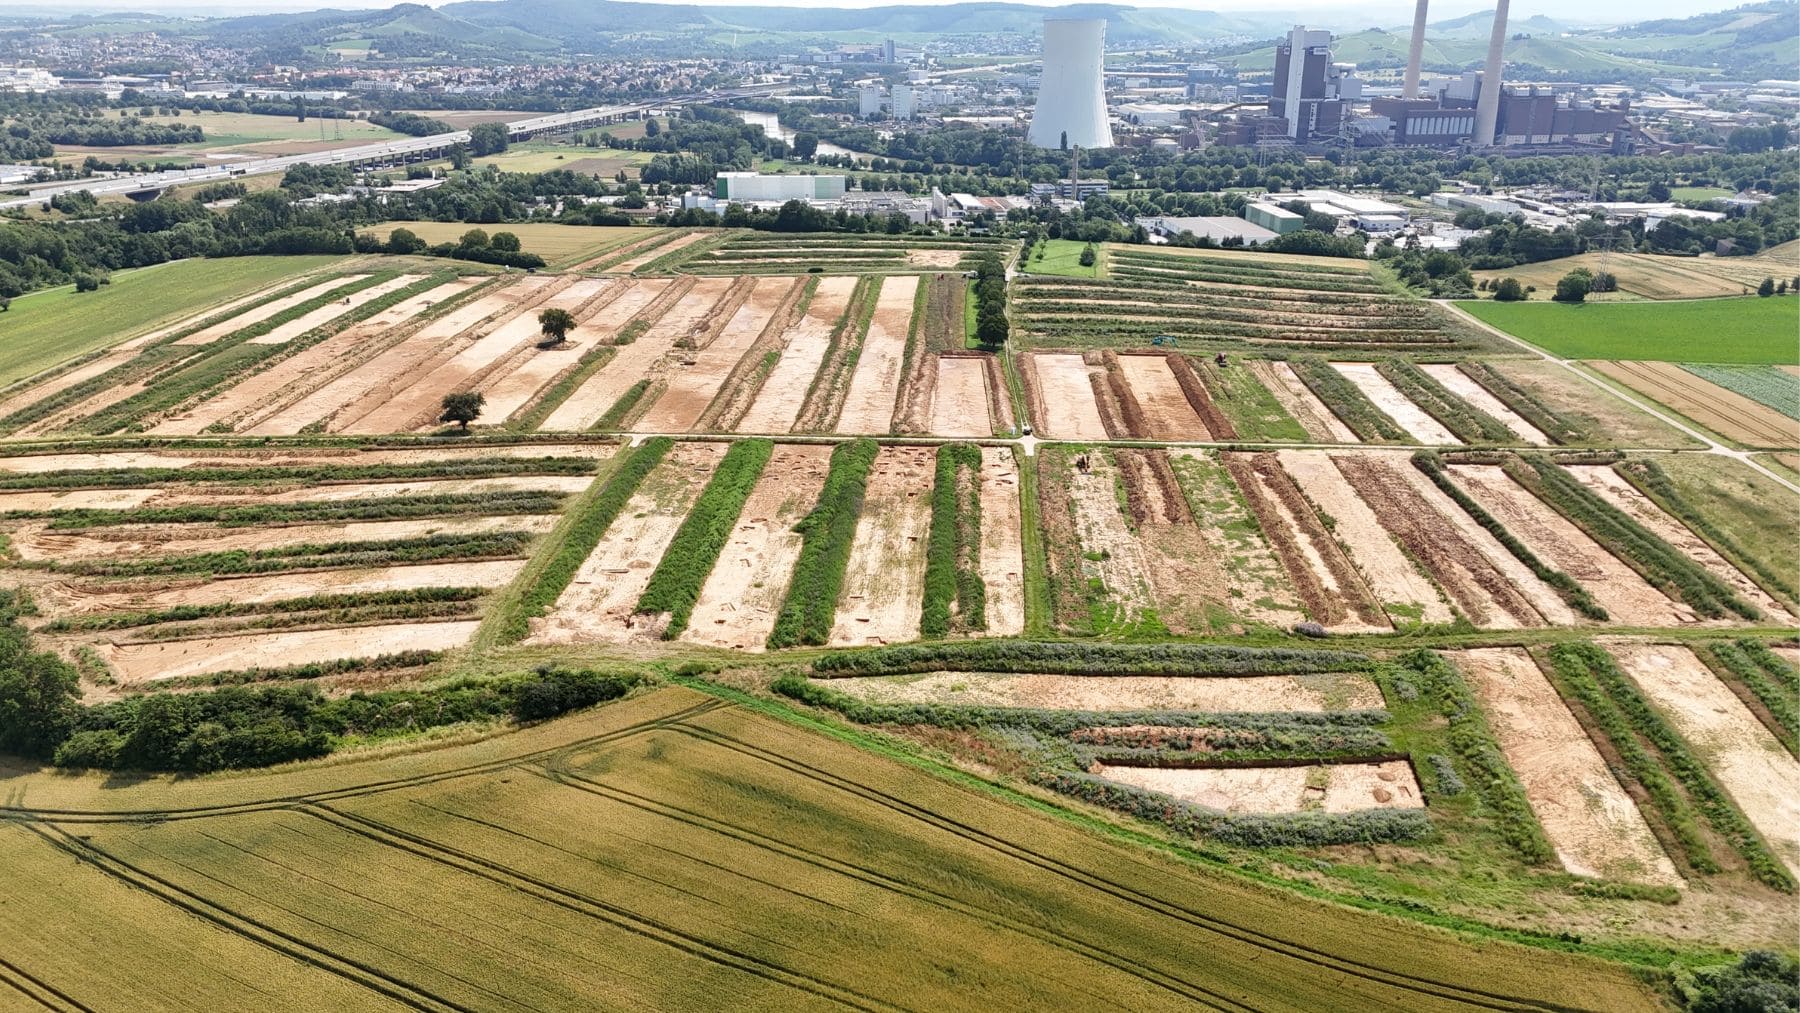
(1306, 96)
(1071, 103)
(1276, 219)
(754, 186)
(1219, 229)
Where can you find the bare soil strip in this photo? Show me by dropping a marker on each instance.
(1553, 538)
(30, 464)
(650, 253)
(260, 394)
(510, 390)
(1220, 568)
(777, 405)
(1261, 694)
(884, 586)
(79, 599)
(1328, 583)
(1725, 412)
(1487, 583)
(1068, 409)
(1458, 382)
(869, 404)
(1332, 788)
(655, 238)
(284, 333)
(1389, 399)
(1611, 487)
(378, 379)
(598, 603)
(1592, 823)
(1166, 408)
(999, 397)
(1392, 577)
(694, 381)
(647, 300)
(1002, 559)
(34, 543)
(125, 499)
(743, 594)
(34, 393)
(959, 406)
(173, 659)
(1760, 775)
(1300, 402)
(695, 304)
(257, 314)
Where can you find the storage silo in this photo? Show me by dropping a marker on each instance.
(1071, 104)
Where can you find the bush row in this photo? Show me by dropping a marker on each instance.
(1347, 401)
(1577, 597)
(1067, 658)
(1469, 423)
(1649, 478)
(303, 672)
(1132, 271)
(826, 533)
(1663, 566)
(588, 520)
(675, 585)
(413, 612)
(455, 467)
(497, 503)
(1767, 684)
(1597, 680)
(101, 621)
(955, 594)
(419, 549)
(1211, 314)
(1165, 746)
(1474, 743)
(1255, 830)
(1553, 424)
(1244, 266)
(1045, 287)
(622, 408)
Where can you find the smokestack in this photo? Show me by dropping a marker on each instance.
(1487, 109)
(1415, 52)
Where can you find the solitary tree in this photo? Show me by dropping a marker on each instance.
(1574, 286)
(1087, 255)
(556, 323)
(404, 241)
(488, 139)
(463, 407)
(1767, 288)
(1508, 290)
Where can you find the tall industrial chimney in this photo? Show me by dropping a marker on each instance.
(1415, 53)
(1071, 104)
(1487, 108)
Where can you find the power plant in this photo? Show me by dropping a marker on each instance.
(1071, 105)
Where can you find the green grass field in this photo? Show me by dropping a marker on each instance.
(673, 851)
(1699, 193)
(52, 326)
(1701, 330)
(1063, 257)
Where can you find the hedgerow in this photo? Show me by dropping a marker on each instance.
(1558, 427)
(1773, 687)
(589, 518)
(954, 591)
(1577, 597)
(1065, 658)
(1347, 401)
(420, 549)
(826, 533)
(1469, 423)
(330, 603)
(675, 585)
(1649, 478)
(1661, 565)
(455, 467)
(622, 408)
(1622, 710)
(496, 503)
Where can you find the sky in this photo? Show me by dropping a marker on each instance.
(1358, 14)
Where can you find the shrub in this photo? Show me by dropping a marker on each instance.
(826, 533)
(675, 585)
(1509, 290)
(1574, 286)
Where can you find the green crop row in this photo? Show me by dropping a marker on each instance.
(384, 552)
(497, 503)
(675, 585)
(1347, 401)
(953, 584)
(1592, 673)
(1649, 478)
(1663, 566)
(588, 519)
(1469, 423)
(1771, 685)
(1558, 427)
(1564, 585)
(826, 533)
(1067, 658)
(1772, 663)
(343, 619)
(1480, 753)
(460, 467)
(101, 621)
(622, 408)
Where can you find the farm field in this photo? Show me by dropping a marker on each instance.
(559, 245)
(770, 253)
(1730, 414)
(1740, 330)
(1649, 276)
(715, 786)
(245, 135)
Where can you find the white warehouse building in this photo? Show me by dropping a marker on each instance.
(756, 186)
(1071, 103)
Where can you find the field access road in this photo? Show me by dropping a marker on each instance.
(1713, 446)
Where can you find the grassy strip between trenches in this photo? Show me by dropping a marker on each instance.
(1770, 680)
(1469, 423)
(1558, 427)
(587, 520)
(301, 673)
(1577, 597)
(1653, 482)
(1347, 401)
(343, 619)
(675, 585)
(311, 603)
(384, 552)
(954, 591)
(567, 384)
(1480, 753)
(622, 408)
(1622, 710)
(468, 466)
(1661, 565)
(1056, 657)
(826, 533)
(504, 502)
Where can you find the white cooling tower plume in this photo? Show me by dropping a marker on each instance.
(1071, 105)
(1487, 108)
(1415, 53)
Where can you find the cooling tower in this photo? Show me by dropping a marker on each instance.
(1071, 105)
(1415, 52)
(1487, 105)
